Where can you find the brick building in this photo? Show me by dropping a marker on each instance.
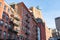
(6, 22)
(48, 33)
(41, 26)
(40, 23)
(18, 22)
(27, 21)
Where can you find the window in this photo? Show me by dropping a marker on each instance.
(6, 25)
(9, 36)
(27, 21)
(27, 27)
(0, 4)
(21, 37)
(15, 37)
(7, 17)
(4, 34)
(8, 9)
(3, 15)
(38, 32)
(39, 20)
(9, 27)
(27, 32)
(1, 23)
(27, 15)
(0, 33)
(5, 7)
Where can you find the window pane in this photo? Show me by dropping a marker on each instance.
(1, 23)
(38, 30)
(0, 33)
(6, 25)
(4, 34)
(0, 4)
(3, 15)
(7, 17)
(5, 7)
(9, 36)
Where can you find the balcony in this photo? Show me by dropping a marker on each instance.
(12, 15)
(15, 24)
(11, 25)
(10, 28)
(16, 18)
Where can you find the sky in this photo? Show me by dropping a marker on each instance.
(50, 9)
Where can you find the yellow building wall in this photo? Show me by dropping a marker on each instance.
(37, 13)
(48, 33)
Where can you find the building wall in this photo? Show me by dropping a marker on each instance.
(1, 8)
(57, 21)
(38, 15)
(48, 33)
(36, 12)
(27, 22)
(5, 17)
(42, 31)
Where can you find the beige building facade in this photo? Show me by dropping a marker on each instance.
(37, 13)
(48, 33)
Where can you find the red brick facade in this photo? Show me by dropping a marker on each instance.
(28, 24)
(6, 25)
(41, 25)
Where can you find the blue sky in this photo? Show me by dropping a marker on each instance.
(50, 9)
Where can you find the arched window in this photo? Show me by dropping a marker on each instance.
(38, 32)
(1, 23)
(4, 34)
(5, 16)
